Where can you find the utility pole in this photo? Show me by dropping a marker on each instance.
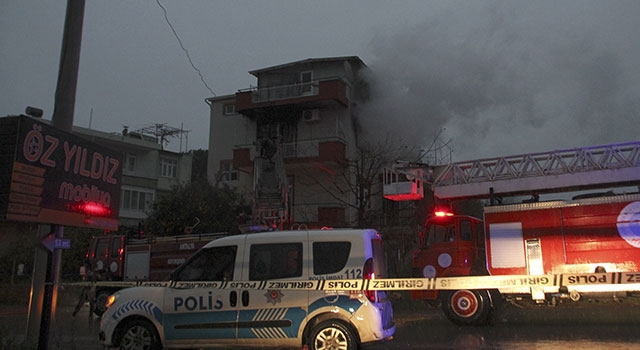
(47, 264)
(69, 62)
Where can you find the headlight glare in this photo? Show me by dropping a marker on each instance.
(111, 299)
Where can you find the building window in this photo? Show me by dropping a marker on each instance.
(306, 79)
(334, 217)
(130, 166)
(229, 109)
(136, 200)
(168, 167)
(228, 173)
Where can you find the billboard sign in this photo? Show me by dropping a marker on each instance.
(56, 177)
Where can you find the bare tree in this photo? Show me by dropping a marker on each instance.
(358, 182)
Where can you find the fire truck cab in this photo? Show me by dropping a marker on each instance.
(453, 245)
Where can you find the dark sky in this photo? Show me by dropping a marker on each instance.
(491, 77)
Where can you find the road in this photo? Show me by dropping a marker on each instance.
(589, 326)
(609, 326)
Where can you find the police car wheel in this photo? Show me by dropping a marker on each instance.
(330, 335)
(467, 307)
(141, 335)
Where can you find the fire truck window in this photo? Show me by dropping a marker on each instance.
(330, 257)
(466, 230)
(213, 264)
(101, 248)
(440, 233)
(480, 234)
(114, 251)
(275, 261)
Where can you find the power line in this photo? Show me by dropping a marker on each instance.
(166, 18)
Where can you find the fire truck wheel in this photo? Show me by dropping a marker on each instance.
(467, 307)
(139, 334)
(101, 302)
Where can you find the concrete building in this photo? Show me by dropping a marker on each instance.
(285, 142)
(148, 171)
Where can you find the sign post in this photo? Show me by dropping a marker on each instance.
(52, 243)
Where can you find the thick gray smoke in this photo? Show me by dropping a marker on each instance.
(510, 78)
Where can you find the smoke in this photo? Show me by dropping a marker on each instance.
(500, 79)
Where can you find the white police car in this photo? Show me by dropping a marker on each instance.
(242, 309)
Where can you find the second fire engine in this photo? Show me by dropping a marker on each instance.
(597, 233)
(122, 258)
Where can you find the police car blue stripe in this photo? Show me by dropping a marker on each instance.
(269, 333)
(270, 323)
(139, 305)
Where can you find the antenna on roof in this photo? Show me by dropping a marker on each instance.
(163, 133)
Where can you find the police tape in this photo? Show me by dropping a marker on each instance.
(400, 284)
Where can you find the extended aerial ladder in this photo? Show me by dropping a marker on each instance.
(612, 165)
(270, 193)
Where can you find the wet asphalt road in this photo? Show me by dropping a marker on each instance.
(587, 326)
(609, 326)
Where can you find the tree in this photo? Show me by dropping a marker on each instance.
(196, 207)
(358, 184)
(199, 165)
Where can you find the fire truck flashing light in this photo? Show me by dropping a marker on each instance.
(92, 209)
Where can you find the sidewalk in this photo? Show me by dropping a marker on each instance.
(80, 332)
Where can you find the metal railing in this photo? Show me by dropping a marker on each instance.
(284, 91)
(278, 92)
(304, 149)
(301, 149)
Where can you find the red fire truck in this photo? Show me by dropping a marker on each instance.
(590, 234)
(119, 258)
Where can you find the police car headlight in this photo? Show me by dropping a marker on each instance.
(112, 299)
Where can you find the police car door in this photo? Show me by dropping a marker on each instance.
(271, 314)
(198, 309)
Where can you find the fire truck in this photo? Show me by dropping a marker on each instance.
(590, 233)
(122, 258)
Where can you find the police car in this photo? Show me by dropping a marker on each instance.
(222, 297)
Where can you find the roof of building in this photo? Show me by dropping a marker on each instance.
(309, 60)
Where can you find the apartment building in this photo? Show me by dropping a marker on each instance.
(148, 171)
(285, 142)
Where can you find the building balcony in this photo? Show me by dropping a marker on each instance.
(317, 93)
(325, 152)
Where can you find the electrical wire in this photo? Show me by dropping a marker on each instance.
(166, 18)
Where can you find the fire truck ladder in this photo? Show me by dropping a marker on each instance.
(556, 171)
(562, 170)
(271, 196)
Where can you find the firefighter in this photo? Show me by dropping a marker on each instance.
(88, 293)
(269, 148)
